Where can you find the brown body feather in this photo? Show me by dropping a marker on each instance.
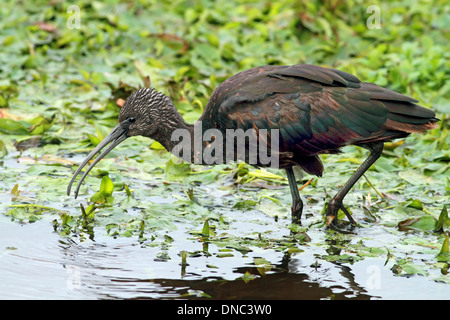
(317, 110)
(313, 110)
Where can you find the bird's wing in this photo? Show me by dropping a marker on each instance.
(315, 109)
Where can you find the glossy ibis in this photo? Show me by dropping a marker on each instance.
(312, 109)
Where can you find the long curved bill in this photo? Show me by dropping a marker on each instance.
(116, 136)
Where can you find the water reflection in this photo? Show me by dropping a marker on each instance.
(38, 264)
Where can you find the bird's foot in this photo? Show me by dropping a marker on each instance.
(297, 209)
(332, 212)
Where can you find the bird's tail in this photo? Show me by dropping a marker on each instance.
(404, 114)
(409, 117)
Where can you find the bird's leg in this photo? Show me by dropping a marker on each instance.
(336, 203)
(297, 204)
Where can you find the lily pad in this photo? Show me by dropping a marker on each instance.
(423, 223)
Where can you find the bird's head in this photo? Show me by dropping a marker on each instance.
(146, 112)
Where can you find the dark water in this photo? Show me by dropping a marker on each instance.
(36, 263)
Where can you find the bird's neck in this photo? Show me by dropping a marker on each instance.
(175, 134)
(201, 143)
(183, 140)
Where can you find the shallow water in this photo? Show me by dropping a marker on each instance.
(37, 263)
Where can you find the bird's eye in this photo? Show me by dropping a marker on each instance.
(131, 120)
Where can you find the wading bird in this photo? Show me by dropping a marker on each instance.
(313, 109)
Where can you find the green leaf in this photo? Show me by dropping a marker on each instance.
(272, 208)
(247, 277)
(443, 220)
(127, 190)
(176, 169)
(102, 132)
(15, 190)
(414, 203)
(245, 204)
(9, 126)
(423, 223)
(3, 149)
(205, 230)
(416, 178)
(262, 265)
(409, 268)
(105, 192)
(107, 186)
(40, 125)
(444, 254)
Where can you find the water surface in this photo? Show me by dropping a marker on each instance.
(36, 263)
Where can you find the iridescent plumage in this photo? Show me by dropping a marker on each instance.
(316, 110)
